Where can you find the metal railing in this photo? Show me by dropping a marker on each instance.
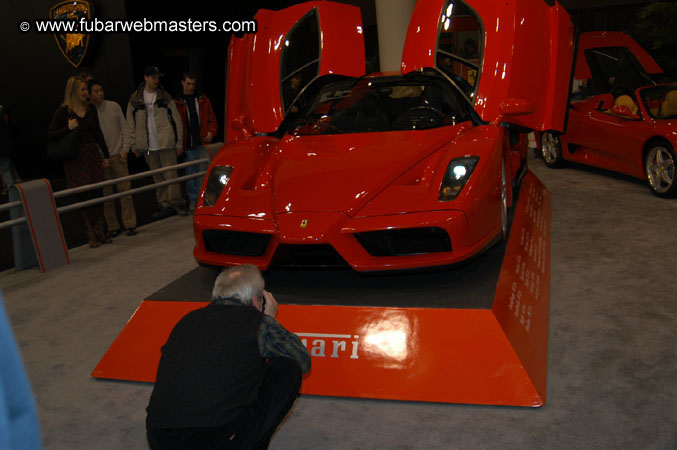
(103, 199)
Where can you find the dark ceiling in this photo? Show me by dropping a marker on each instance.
(594, 7)
(580, 4)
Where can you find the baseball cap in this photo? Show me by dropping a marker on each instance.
(152, 71)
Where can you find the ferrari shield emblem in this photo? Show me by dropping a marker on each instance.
(304, 223)
(72, 45)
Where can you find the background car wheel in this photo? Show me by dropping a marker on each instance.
(551, 150)
(660, 170)
(504, 203)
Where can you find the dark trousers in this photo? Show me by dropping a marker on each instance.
(253, 427)
(92, 216)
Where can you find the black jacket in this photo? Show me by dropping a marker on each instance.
(210, 367)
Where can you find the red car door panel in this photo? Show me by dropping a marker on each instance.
(604, 140)
(537, 74)
(260, 64)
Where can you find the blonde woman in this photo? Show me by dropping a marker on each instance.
(87, 165)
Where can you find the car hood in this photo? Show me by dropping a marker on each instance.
(342, 173)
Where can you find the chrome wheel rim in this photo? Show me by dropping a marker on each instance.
(660, 169)
(550, 147)
(504, 203)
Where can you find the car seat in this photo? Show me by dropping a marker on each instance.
(669, 106)
(626, 100)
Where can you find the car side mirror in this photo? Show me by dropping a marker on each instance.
(604, 101)
(239, 122)
(624, 112)
(515, 107)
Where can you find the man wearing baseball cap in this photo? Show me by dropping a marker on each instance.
(155, 129)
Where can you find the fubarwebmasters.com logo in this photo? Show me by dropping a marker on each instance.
(85, 25)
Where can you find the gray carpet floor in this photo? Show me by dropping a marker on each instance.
(612, 371)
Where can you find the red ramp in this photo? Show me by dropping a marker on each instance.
(491, 356)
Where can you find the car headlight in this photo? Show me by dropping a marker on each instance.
(457, 175)
(218, 178)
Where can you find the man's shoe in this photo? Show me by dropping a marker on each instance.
(180, 210)
(114, 233)
(164, 212)
(101, 235)
(132, 231)
(191, 206)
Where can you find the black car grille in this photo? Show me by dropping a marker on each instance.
(238, 243)
(311, 255)
(410, 241)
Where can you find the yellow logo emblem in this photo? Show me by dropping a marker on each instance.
(73, 46)
(304, 223)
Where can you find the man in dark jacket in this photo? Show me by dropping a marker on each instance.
(199, 128)
(214, 388)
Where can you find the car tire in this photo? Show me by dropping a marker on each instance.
(659, 165)
(551, 150)
(504, 203)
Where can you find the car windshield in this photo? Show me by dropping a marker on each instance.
(660, 101)
(377, 104)
(615, 68)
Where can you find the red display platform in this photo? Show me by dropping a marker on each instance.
(491, 356)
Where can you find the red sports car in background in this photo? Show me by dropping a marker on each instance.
(388, 170)
(620, 119)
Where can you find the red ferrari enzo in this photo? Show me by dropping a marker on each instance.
(620, 119)
(387, 170)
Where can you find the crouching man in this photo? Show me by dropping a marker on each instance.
(214, 388)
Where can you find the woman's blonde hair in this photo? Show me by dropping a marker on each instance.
(70, 96)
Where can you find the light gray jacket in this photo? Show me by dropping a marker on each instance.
(167, 120)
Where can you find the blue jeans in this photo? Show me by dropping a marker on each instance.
(194, 185)
(6, 171)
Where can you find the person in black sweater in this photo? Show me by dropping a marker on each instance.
(214, 388)
(86, 167)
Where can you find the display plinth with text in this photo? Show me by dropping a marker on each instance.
(491, 355)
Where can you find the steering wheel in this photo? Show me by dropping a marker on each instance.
(417, 116)
(322, 126)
